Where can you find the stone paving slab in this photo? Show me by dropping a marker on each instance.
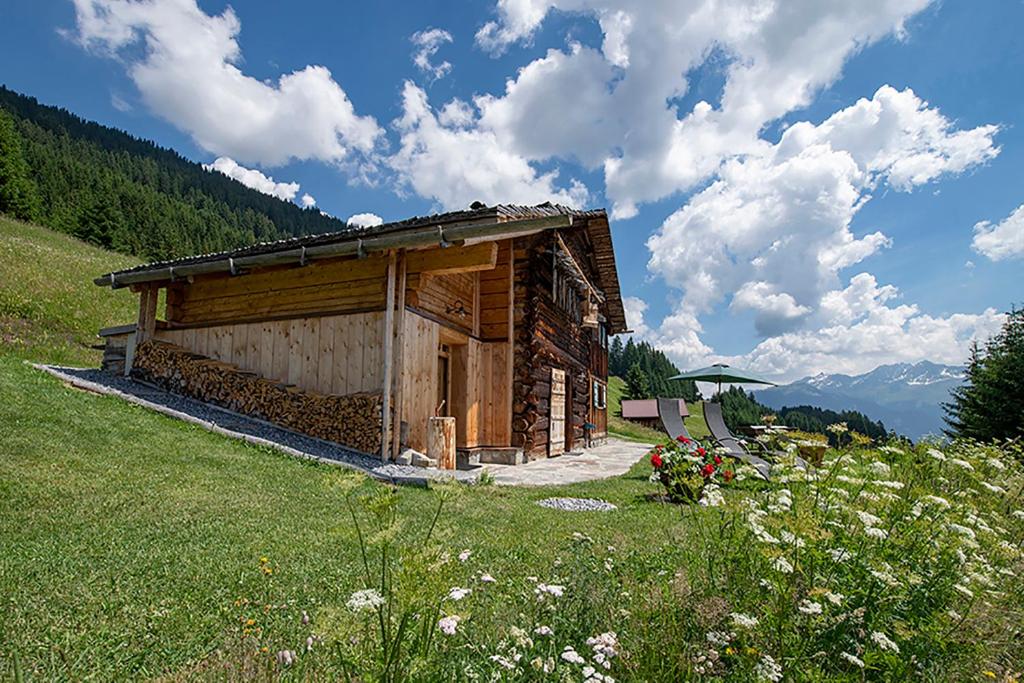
(611, 459)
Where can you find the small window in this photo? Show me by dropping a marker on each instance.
(600, 395)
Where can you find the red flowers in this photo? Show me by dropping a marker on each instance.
(718, 459)
(701, 451)
(682, 439)
(727, 476)
(708, 470)
(656, 461)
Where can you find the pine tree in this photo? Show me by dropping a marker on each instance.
(638, 385)
(18, 195)
(990, 404)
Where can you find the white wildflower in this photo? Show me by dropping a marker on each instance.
(449, 624)
(712, 496)
(884, 483)
(936, 500)
(936, 454)
(792, 539)
(503, 662)
(855, 481)
(1019, 514)
(543, 631)
(552, 589)
(885, 577)
(487, 578)
(868, 519)
(834, 598)
(782, 565)
(768, 669)
(963, 589)
(570, 655)
(810, 607)
(719, 638)
(879, 468)
(996, 464)
(875, 532)
(892, 449)
(743, 620)
(883, 641)
(464, 555)
(961, 529)
(365, 600)
(457, 593)
(840, 554)
(993, 488)
(852, 659)
(962, 463)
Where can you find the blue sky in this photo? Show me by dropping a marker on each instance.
(749, 225)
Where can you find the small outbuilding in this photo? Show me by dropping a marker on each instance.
(496, 316)
(645, 411)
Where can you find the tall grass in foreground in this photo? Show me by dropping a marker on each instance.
(891, 563)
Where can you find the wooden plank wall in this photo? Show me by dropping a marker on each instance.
(340, 354)
(449, 296)
(481, 397)
(419, 376)
(481, 402)
(328, 286)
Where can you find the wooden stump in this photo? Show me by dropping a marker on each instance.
(441, 441)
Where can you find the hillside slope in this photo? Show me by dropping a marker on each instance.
(49, 308)
(128, 194)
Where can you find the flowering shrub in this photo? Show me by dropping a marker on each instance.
(689, 472)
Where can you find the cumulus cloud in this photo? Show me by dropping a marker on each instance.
(427, 43)
(457, 164)
(307, 201)
(1004, 240)
(635, 307)
(250, 177)
(778, 56)
(773, 232)
(185, 64)
(365, 220)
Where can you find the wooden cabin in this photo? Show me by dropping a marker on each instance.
(496, 316)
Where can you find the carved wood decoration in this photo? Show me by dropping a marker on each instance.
(556, 441)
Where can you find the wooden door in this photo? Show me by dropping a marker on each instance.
(556, 424)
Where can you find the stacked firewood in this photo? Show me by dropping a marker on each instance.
(353, 420)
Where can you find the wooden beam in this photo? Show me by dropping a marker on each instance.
(389, 333)
(510, 355)
(398, 379)
(146, 324)
(439, 261)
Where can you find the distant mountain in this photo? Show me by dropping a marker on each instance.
(907, 397)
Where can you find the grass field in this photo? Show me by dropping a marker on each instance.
(49, 308)
(635, 432)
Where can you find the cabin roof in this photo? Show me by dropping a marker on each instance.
(596, 221)
(645, 408)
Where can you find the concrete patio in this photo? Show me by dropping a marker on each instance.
(611, 459)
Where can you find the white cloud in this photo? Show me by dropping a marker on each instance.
(457, 165)
(307, 201)
(428, 42)
(1004, 240)
(778, 55)
(250, 177)
(774, 230)
(185, 65)
(635, 307)
(365, 220)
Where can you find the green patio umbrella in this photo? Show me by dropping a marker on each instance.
(720, 372)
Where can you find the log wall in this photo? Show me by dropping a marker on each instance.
(341, 354)
(353, 420)
(546, 338)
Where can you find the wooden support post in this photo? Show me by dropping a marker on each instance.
(441, 441)
(146, 326)
(389, 333)
(510, 356)
(398, 378)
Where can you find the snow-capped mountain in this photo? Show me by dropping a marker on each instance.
(906, 397)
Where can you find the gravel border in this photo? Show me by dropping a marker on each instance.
(577, 504)
(250, 430)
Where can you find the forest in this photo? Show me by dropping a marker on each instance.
(107, 187)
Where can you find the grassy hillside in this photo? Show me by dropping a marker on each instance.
(634, 432)
(49, 308)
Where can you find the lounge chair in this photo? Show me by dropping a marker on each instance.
(735, 448)
(671, 420)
